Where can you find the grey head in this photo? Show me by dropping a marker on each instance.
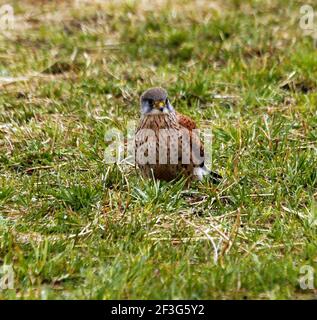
(155, 101)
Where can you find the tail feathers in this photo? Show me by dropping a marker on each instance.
(202, 171)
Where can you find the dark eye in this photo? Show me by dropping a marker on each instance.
(166, 101)
(151, 101)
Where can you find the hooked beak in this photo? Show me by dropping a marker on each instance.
(159, 105)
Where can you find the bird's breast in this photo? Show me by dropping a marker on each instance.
(161, 121)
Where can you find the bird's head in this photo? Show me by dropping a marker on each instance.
(155, 101)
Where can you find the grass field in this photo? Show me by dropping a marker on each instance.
(74, 227)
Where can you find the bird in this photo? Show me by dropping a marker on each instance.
(167, 145)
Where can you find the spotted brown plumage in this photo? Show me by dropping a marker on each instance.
(167, 146)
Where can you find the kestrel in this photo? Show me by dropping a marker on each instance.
(167, 144)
